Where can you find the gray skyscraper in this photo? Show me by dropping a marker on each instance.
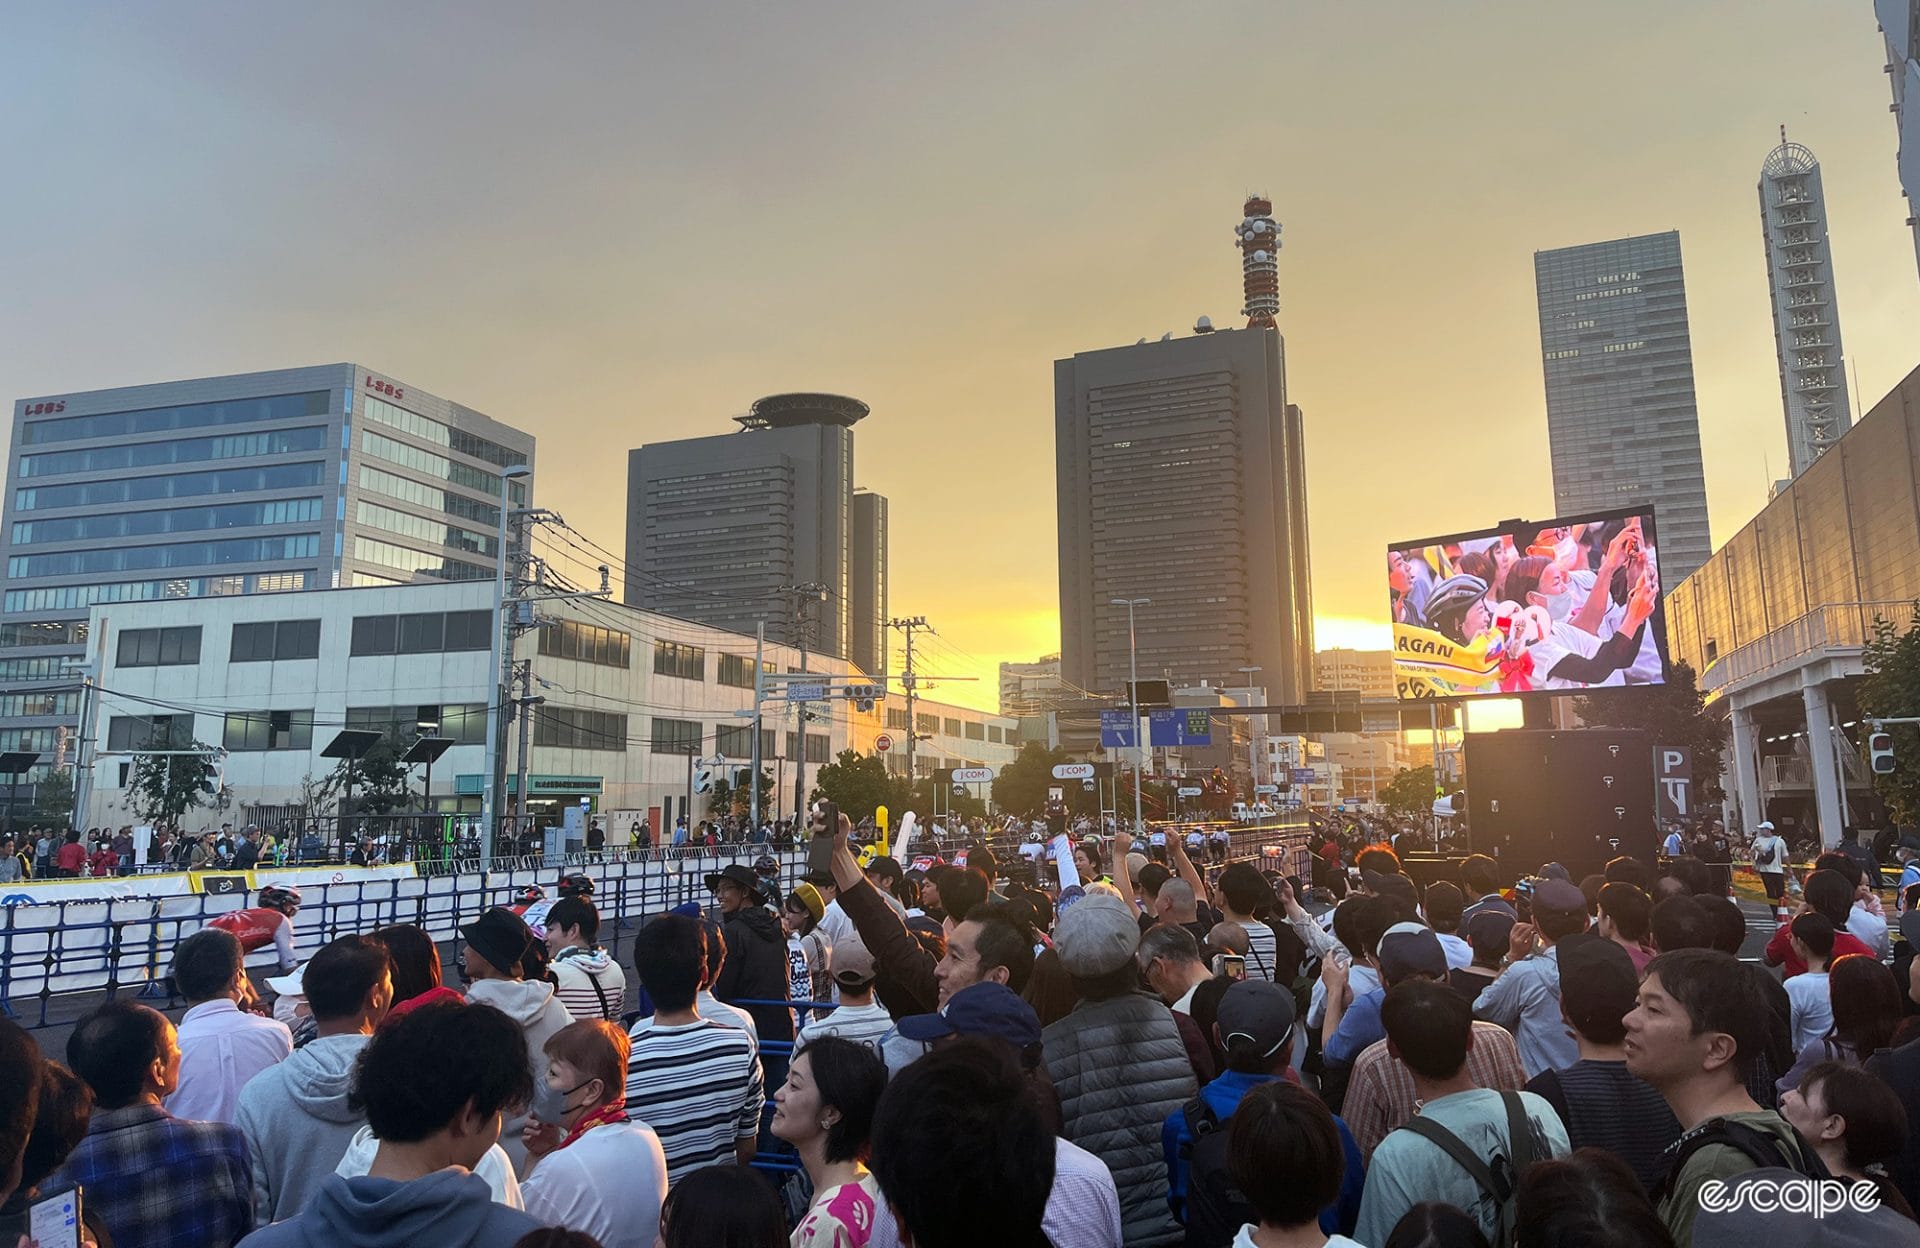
(867, 583)
(1900, 23)
(1806, 324)
(303, 478)
(721, 529)
(1622, 423)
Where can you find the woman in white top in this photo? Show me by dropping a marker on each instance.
(595, 1169)
(825, 1110)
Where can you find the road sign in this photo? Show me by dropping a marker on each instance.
(1088, 785)
(1073, 771)
(806, 693)
(1265, 790)
(1182, 726)
(1673, 780)
(973, 775)
(883, 743)
(1188, 791)
(1118, 730)
(1303, 775)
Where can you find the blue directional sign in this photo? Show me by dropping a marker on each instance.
(1118, 730)
(1181, 726)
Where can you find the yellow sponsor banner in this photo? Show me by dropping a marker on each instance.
(1427, 664)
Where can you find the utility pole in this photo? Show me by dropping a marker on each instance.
(907, 625)
(759, 686)
(810, 592)
(526, 703)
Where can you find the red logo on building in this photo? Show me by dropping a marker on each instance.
(41, 409)
(387, 388)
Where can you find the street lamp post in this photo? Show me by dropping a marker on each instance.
(500, 654)
(1133, 701)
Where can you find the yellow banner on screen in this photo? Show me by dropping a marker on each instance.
(1427, 664)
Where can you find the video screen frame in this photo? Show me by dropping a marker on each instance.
(1430, 666)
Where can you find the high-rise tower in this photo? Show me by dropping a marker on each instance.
(1806, 325)
(1259, 237)
(1900, 23)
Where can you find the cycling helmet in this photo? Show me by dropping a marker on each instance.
(1451, 598)
(765, 865)
(576, 884)
(278, 896)
(532, 893)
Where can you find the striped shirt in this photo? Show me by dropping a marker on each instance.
(1261, 953)
(1380, 1097)
(698, 1085)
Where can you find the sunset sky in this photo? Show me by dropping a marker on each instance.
(619, 223)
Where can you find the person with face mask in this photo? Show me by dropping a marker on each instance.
(591, 1138)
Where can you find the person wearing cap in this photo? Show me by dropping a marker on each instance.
(807, 978)
(1406, 951)
(1117, 1062)
(1083, 1207)
(1526, 998)
(1602, 1103)
(1431, 1029)
(1769, 854)
(298, 1116)
(756, 966)
(497, 941)
(1254, 1027)
(858, 1017)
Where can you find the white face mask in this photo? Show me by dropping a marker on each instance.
(1559, 605)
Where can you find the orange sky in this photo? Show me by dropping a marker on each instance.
(625, 226)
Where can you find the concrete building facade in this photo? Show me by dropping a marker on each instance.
(720, 527)
(1033, 688)
(632, 698)
(1367, 672)
(1181, 477)
(1900, 26)
(226, 488)
(1622, 422)
(1806, 320)
(1777, 620)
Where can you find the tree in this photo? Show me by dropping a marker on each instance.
(55, 796)
(1892, 689)
(1670, 714)
(163, 787)
(727, 800)
(1021, 787)
(1410, 792)
(965, 804)
(381, 782)
(859, 784)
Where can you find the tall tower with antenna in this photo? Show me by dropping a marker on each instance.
(1806, 324)
(1258, 235)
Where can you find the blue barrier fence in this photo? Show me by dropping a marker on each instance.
(61, 948)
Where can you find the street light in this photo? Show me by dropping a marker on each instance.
(499, 655)
(1133, 701)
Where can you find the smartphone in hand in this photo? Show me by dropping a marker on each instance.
(826, 822)
(53, 1220)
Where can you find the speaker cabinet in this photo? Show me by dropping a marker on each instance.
(1578, 798)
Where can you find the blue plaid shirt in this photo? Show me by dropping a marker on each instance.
(157, 1181)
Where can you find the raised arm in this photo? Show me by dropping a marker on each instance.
(1183, 865)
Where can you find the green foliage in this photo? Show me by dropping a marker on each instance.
(964, 805)
(1892, 689)
(1021, 787)
(1410, 792)
(727, 800)
(1670, 714)
(858, 784)
(54, 796)
(381, 782)
(163, 787)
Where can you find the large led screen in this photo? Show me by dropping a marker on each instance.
(1564, 606)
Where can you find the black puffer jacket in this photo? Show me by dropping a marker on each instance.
(756, 969)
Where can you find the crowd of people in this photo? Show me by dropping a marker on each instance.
(1170, 1052)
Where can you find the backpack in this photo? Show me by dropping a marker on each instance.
(1216, 1210)
(1502, 1185)
(1762, 1149)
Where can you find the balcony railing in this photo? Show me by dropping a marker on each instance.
(1846, 626)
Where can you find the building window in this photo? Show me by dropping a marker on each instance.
(952, 727)
(923, 722)
(149, 732)
(465, 723)
(190, 416)
(160, 647)
(736, 670)
(976, 731)
(570, 639)
(181, 555)
(269, 730)
(676, 736)
(734, 740)
(994, 734)
(440, 435)
(674, 658)
(897, 717)
(427, 632)
(571, 728)
(275, 639)
(819, 747)
(24, 704)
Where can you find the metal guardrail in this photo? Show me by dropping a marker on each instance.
(1836, 626)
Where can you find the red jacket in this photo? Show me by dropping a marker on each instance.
(1780, 950)
(72, 858)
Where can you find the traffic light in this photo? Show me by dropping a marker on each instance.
(863, 696)
(1880, 751)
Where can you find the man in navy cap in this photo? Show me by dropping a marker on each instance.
(1526, 998)
(1406, 951)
